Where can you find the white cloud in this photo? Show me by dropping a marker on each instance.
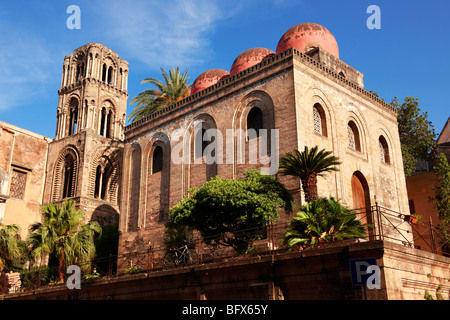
(157, 33)
(165, 33)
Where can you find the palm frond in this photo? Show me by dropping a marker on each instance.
(172, 89)
(323, 220)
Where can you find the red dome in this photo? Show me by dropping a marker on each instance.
(306, 35)
(249, 58)
(208, 78)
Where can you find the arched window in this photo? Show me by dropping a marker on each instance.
(104, 73)
(120, 78)
(102, 175)
(157, 160)
(203, 150)
(108, 124)
(69, 174)
(78, 76)
(201, 142)
(73, 116)
(105, 179)
(110, 74)
(134, 188)
(102, 129)
(384, 150)
(105, 123)
(255, 122)
(353, 136)
(98, 179)
(320, 122)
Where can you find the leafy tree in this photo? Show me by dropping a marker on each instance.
(323, 220)
(64, 234)
(172, 90)
(417, 134)
(308, 165)
(9, 245)
(442, 199)
(228, 211)
(174, 237)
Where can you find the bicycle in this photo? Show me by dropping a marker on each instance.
(181, 255)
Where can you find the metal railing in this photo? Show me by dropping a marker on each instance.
(385, 224)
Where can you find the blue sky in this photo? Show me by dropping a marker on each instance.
(408, 56)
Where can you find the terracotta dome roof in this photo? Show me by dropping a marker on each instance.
(208, 78)
(249, 58)
(306, 35)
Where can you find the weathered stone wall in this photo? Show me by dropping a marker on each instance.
(225, 110)
(22, 168)
(285, 87)
(316, 274)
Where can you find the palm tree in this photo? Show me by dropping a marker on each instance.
(9, 244)
(323, 220)
(308, 165)
(64, 234)
(174, 89)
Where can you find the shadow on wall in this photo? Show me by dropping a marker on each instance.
(105, 215)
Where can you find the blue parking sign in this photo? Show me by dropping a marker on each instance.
(358, 269)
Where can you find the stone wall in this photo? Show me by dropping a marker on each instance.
(285, 88)
(315, 274)
(22, 175)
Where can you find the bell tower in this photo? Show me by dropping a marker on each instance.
(85, 158)
(93, 93)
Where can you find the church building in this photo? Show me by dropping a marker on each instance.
(295, 95)
(302, 94)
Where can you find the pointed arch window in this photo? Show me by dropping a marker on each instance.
(105, 123)
(320, 123)
(201, 142)
(254, 122)
(73, 117)
(102, 175)
(384, 150)
(110, 75)
(104, 71)
(69, 176)
(157, 160)
(354, 141)
(108, 124)
(98, 178)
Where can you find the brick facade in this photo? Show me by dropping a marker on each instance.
(285, 88)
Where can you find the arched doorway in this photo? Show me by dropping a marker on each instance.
(361, 197)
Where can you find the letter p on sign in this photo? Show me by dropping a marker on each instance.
(365, 272)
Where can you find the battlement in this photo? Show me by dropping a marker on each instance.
(292, 53)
